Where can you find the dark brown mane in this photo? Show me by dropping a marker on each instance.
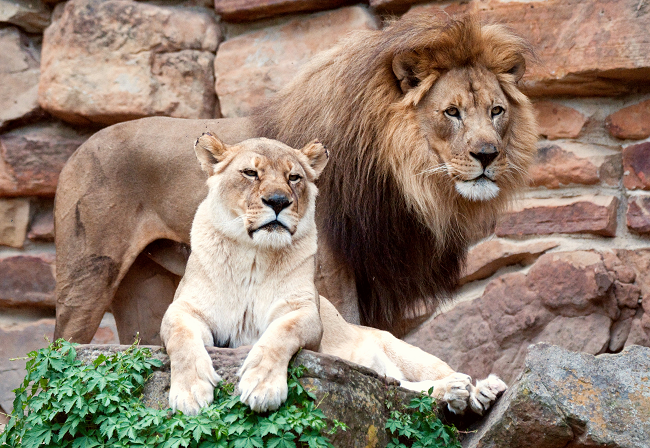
(350, 99)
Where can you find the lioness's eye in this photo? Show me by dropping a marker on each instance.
(497, 110)
(250, 173)
(294, 177)
(452, 112)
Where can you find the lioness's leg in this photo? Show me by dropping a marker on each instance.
(263, 376)
(193, 377)
(415, 368)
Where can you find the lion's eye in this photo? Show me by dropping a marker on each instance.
(452, 112)
(294, 177)
(250, 173)
(497, 110)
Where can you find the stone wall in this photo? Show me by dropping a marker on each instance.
(568, 264)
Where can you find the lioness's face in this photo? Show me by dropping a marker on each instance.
(466, 116)
(263, 190)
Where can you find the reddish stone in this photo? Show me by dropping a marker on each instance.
(253, 66)
(248, 10)
(638, 214)
(627, 295)
(631, 122)
(27, 280)
(487, 257)
(636, 166)
(586, 214)
(33, 156)
(584, 48)
(31, 15)
(558, 121)
(42, 226)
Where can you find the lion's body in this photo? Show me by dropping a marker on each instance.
(429, 137)
(250, 281)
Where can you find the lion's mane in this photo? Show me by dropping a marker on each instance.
(404, 233)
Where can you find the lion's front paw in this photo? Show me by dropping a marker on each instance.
(192, 388)
(262, 384)
(456, 391)
(485, 393)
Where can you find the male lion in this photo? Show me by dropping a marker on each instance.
(250, 280)
(429, 138)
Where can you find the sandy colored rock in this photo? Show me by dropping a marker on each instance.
(110, 61)
(33, 156)
(252, 66)
(558, 121)
(27, 281)
(572, 399)
(638, 214)
(588, 48)
(585, 214)
(487, 257)
(632, 122)
(19, 76)
(32, 16)
(636, 166)
(248, 10)
(41, 225)
(14, 217)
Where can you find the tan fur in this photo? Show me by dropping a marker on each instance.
(241, 289)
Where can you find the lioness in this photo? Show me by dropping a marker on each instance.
(250, 280)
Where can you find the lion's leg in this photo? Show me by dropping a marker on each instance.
(415, 368)
(141, 300)
(193, 378)
(263, 376)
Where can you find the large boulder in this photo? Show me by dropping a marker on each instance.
(572, 399)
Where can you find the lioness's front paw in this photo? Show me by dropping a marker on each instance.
(262, 385)
(193, 388)
(456, 391)
(485, 393)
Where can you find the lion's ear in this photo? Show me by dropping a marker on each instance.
(405, 68)
(317, 154)
(518, 69)
(210, 151)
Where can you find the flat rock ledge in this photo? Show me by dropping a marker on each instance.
(562, 399)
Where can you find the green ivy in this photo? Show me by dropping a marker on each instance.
(64, 403)
(417, 425)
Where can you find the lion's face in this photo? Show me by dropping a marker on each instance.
(262, 191)
(465, 117)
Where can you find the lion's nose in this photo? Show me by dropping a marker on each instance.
(486, 154)
(277, 202)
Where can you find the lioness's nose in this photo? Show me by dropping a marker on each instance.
(277, 202)
(486, 154)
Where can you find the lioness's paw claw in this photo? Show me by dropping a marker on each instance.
(262, 390)
(193, 390)
(485, 393)
(457, 392)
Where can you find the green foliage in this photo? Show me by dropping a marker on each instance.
(63, 403)
(418, 426)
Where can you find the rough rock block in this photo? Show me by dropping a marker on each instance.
(585, 48)
(27, 280)
(558, 121)
(14, 216)
(572, 399)
(487, 257)
(252, 66)
(636, 166)
(585, 214)
(247, 10)
(632, 122)
(566, 163)
(115, 60)
(19, 75)
(31, 15)
(638, 214)
(32, 157)
(345, 391)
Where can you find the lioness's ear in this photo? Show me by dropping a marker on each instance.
(317, 154)
(405, 68)
(210, 151)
